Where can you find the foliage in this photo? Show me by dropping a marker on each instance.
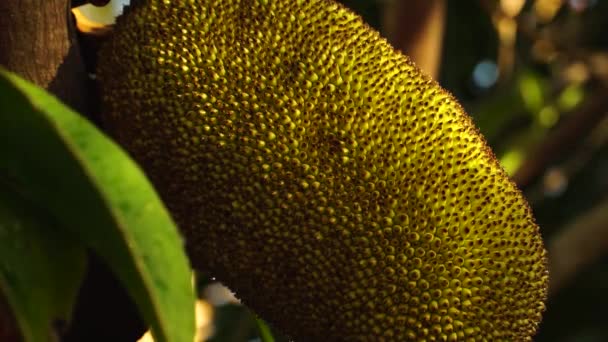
(94, 192)
(40, 289)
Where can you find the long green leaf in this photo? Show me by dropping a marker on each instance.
(264, 330)
(41, 268)
(98, 192)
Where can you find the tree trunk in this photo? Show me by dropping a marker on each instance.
(37, 41)
(416, 28)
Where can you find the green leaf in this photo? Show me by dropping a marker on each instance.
(233, 323)
(264, 330)
(93, 188)
(41, 268)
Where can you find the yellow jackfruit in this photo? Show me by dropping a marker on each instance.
(342, 194)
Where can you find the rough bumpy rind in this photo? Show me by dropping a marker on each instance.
(342, 194)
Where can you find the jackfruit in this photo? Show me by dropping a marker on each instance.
(342, 194)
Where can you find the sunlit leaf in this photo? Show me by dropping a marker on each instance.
(532, 90)
(571, 97)
(94, 189)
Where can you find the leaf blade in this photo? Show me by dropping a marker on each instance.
(88, 181)
(41, 268)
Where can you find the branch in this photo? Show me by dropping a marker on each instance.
(8, 325)
(577, 245)
(565, 137)
(416, 28)
(100, 3)
(37, 41)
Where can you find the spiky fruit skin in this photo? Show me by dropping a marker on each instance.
(340, 193)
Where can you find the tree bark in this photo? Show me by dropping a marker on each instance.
(38, 42)
(8, 325)
(561, 140)
(577, 245)
(416, 28)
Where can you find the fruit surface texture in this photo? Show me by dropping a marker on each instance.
(342, 194)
